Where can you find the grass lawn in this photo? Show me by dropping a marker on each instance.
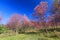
(27, 37)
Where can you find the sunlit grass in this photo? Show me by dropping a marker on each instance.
(40, 36)
(55, 35)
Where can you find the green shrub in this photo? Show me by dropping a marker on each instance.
(3, 29)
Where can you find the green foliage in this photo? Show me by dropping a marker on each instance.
(26, 29)
(3, 29)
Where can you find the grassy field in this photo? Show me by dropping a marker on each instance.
(28, 37)
(50, 35)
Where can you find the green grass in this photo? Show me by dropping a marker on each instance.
(27, 37)
(20, 37)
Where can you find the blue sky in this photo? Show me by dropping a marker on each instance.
(9, 7)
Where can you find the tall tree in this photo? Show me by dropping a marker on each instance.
(18, 21)
(55, 11)
(38, 15)
(25, 23)
(14, 22)
(39, 11)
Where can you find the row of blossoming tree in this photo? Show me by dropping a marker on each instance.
(38, 21)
